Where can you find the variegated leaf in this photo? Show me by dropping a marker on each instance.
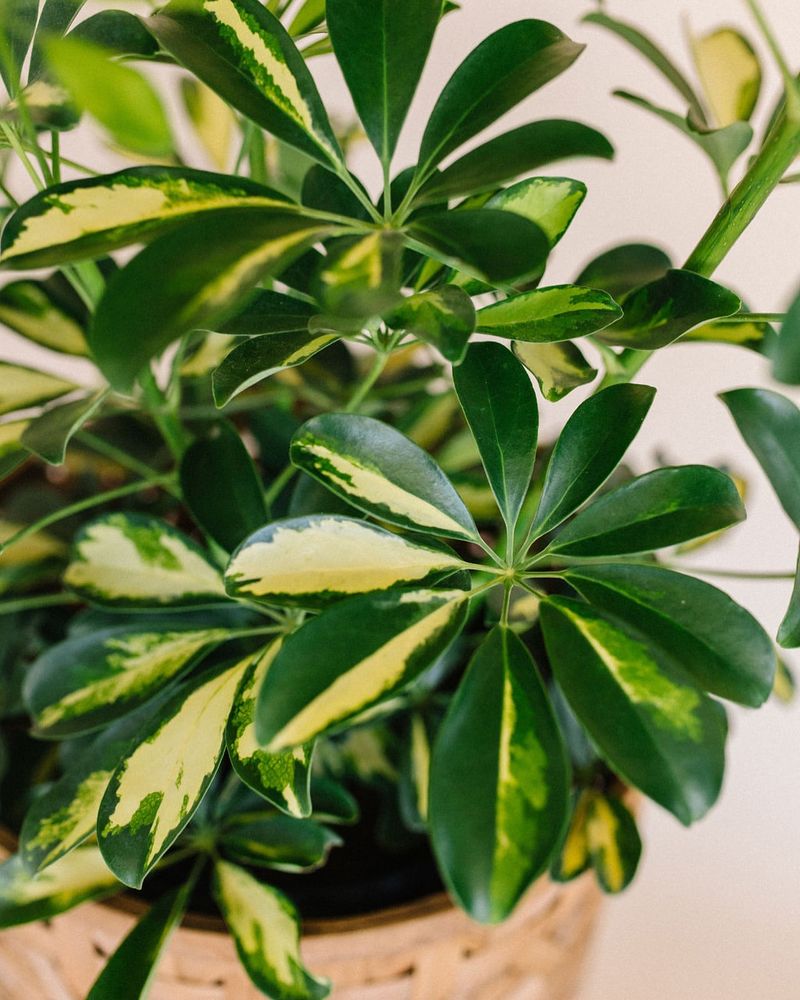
(49, 434)
(558, 368)
(281, 778)
(499, 781)
(284, 843)
(361, 278)
(380, 471)
(266, 932)
(444, 317)
(258, 358)
(12, 451)
(85, 682)
(75, 879)
(29, 309)
(550, 202)
(574, 859)
(613, 841)
(156, 789)
(548, 315)
(23, 387)
(241, 50)
(309, 561)
(730, 73)
(92, 217)
(66, 813)
(334, 669)
(130, 560)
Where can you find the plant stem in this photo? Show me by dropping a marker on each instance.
(372, 376)
(165, 419)
(16, 145)
(279, 484)
(87, 504)
(738, 574)
(39, 601)
(347, 178)
(790, 84)
(122, 458)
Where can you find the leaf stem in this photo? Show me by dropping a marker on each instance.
(790, 84)
(747, 317)
(279, 484)
(165, 419)
(22, 156)
(38, 601)
(372, 376)
(87, 504)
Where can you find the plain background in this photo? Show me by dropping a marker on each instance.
(715, 911)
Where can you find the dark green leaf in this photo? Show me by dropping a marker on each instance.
(119, 32)
(213, 264)
(658, 313)
(377, 469)
(496, 245)
(625, 267)
(17, 25)
(130, 970)
(381, 47)
(502, 71)
(786, 352)
(55, 19)
(654, 727)
(558, 368)
(549, 315)
(241, 51)
(280, 842)
(333, 669)
(512, 154)
(714, 640)
(49, 434)
(789, 631)
(221, 487)
(590, 447)
(661, 508)
(361, 278)
(499, 781)
(499, 403)
(325, 191)
(269, 312)
(444, 318)
(770, 426)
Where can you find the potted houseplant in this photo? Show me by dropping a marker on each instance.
(288, 576)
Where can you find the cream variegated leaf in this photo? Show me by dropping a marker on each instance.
(22, 387)
(129, 560)
(157, 787)
(266, 932)
(75, 879)
(83, 683)
(12, 451)
(87, 218)
(28, 309)
(550, 202)
(613, 841)
(313, 560)
(730, 73)
(282, 778)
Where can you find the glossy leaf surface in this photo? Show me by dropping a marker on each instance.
(283, 843)
(625, 267)
(548, 315)
(444, 318)
(786, 351)
(49, 434)
(558, 368)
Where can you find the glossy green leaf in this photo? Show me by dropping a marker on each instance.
(625, 267)
(444, 318)
(310, 561)
(242, 52)
(377, 469)
(65, 814)
(655, 56)
(786, 351)
(130, 560)
(514, 153)
(502, 71)
(96, 215)
(730, 73)
(723, 146)
(281, 778)
(381, 47)
(279, 842)
(12, 453)
(130, 971)
(558, 368)
(770, 426)
(755, 336)
(266, 932)
(653, 726)
(362, 277)
(310, 16)
(49, 434)
(157, 787)
(84, 682)
(550, 202)
(499, 403)
(259, 358)
(325, 191)
(269, 312)
(23, 387)
(660, 508)
(590, 447)
(499, 781)
(549, 315)
(54, 20)
(658, 313)
(713, 639)
(789, 630)
(31, 309)
(77, 878)
(492, 244)
(17, 25)
(117, 31)
(221, 487)
(213, 264)
(119, 97)
(333, 669)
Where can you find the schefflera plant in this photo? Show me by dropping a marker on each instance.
(261, 638)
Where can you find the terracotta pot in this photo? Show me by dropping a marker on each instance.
(426, 950)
